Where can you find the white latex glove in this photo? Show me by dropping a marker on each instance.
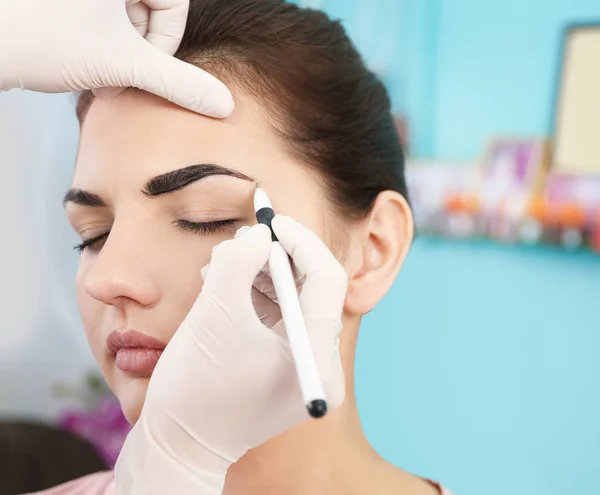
(226, 382)
(57, 46)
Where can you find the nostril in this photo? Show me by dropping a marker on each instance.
(113, 289)
(119, 274)
(100, 289)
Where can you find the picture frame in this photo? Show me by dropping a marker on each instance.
(576, 114)
(572, 188)
(514, 166)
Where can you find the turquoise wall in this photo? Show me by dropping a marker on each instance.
(497, 63)
(481, 368)
(487, 357)
(465, 70)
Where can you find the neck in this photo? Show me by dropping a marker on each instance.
(326, 456)
(329, 456)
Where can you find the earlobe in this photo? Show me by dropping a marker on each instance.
(382, 244)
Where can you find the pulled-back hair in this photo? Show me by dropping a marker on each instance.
(330, 110)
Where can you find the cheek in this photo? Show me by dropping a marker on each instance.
(89, 308)
(182, 280)
(94, 314)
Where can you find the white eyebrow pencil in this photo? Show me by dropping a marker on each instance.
(293, 319)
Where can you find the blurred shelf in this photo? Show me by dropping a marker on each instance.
(491, 244)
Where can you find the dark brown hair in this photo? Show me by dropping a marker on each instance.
(332, 112)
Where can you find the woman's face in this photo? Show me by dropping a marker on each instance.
(133, 180)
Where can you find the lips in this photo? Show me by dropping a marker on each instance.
(134, 352)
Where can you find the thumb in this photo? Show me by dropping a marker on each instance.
(179, 82)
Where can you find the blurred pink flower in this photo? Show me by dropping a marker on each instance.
(104, 427)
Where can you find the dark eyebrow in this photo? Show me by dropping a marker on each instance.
(83, 198)
(178, 179)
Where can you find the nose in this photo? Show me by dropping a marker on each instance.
(121, 274)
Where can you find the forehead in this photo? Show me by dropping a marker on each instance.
(138, 135)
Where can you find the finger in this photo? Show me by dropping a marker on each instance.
(268, 312)
(167, 23)
(236, 262)
(264, 283)
(139, 15)
(326, 281)
(241, 231)
(279, 330)
(325, 344)
(179, 82)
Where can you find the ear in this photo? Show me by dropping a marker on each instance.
(379, 248)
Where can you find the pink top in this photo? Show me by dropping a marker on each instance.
(95, 484)
(103, 484)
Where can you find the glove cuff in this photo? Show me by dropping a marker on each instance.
(146, 468)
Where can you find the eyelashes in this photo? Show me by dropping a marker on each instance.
(205, 228)
(93, 242)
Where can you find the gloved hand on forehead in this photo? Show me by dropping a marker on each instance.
(57, 46)
(226, 382)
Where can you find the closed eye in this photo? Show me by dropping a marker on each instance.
(196, 227)
(206, 227)
(94, 243)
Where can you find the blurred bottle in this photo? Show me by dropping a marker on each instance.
(531, 230)
(460, 214)
(504, 222)
(551, 224)
(595, 232)
(473, 208)
(572, 220)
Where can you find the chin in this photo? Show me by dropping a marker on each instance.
(131, 393)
